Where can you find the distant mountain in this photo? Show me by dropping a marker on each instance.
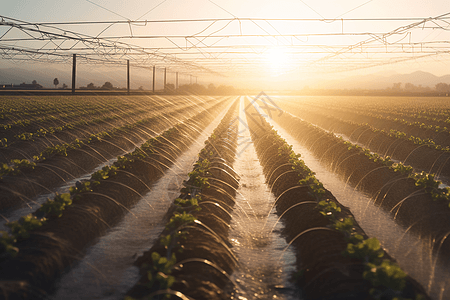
(416, 78)
(445, 79)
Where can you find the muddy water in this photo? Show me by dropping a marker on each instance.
(411, 252)
(264, 267)
(107, 271)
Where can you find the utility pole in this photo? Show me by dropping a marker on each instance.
(74, 72)
(165, 77)
(128, 76)
(176, 85)
(153, 86)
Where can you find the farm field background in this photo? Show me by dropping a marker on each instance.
(224, 197)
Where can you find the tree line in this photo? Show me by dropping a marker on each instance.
(409, 87)
(195, 88)
(106, 86)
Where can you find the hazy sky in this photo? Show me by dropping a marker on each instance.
(61, 10)
(56, 11)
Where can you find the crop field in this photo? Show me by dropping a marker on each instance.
(224, 197)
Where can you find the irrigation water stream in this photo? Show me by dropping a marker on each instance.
(14, 214)
(107, 271)
(264, 266)
(413, 253)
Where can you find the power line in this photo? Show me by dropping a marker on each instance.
(220, 47)
(138, 21)
(102, 7)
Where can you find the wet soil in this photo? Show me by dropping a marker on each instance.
(205, 260)
(409, 205)
(51, 248)
(19, 189)
(421, 157)
(324, 273)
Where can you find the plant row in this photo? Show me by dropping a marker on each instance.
(431, 111)
(24, 128)
(335, 258)
(62, 148)
(422, 154)
(24, 111)
(48, 241)
(18, 144)
(191, 256)
(415, 200)
(71, 160)
(439, 135)
(432, 186)
(42, 132)
(65, 129)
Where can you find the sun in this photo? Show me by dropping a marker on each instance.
(278, 59)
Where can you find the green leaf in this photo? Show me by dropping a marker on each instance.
(155, 256)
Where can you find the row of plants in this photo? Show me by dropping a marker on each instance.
(423, 120)
(86, 117)
(424, 117)
(335, 259)
(423, 110)
(17, 166)
(63, 114)
(440, 134)
(431, 157)
(23, 111)
(423, 179)
(108, 119)
(35, 108)
(79, 153)
(417, 130)
(181, 259)
(42, 132)
(53, 208)
(72, 119)
(415, 200)
(42, 117)
(34, 256)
